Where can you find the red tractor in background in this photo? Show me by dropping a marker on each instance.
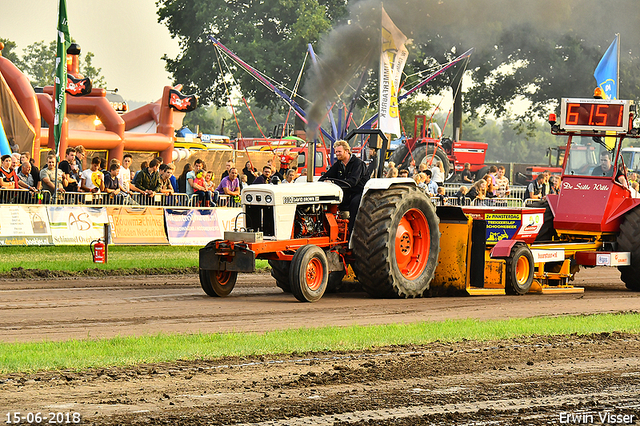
(428, 145)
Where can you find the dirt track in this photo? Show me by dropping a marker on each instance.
(530, 381)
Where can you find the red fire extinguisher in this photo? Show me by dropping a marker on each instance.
(99, 251)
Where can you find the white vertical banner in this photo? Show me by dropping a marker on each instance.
(392, 60)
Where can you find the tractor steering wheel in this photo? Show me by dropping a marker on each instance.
(343, 184)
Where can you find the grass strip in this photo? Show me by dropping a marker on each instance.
(122, 351)
(77, 259)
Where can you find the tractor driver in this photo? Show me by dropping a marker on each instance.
(606, 169)
(350, 172)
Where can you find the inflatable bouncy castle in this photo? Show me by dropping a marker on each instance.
(90, 120)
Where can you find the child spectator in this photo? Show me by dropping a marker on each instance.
(392, 173)
(208, 181)
(460, 195)
(442, 198)
(195, 184)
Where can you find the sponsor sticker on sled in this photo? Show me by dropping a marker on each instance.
(620, 258)
(541, 256)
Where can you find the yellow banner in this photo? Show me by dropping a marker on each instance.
(136, 225)
(392, 60)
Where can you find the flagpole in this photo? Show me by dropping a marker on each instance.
(618, 69)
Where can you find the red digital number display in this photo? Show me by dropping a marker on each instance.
(594, 114)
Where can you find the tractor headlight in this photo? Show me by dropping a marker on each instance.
(268, 199)
(258, 198)
(249, 198)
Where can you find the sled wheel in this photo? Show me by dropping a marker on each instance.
(218, 283)
(519, 271)
(280, 271)
(309, 273)
(401, 157)
(396, 242)
(629, 240)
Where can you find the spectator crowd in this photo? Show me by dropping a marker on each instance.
(117, 183)
(120, 184)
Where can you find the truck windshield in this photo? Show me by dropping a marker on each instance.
(591, 156)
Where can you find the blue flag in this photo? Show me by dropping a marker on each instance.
(606, 73)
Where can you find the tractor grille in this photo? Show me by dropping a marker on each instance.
(260, 219)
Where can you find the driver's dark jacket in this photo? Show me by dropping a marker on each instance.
(354, 173)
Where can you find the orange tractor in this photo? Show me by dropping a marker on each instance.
(402, 246)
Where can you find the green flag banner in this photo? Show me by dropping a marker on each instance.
(62, 43)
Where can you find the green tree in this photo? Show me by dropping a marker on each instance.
(9, 50)
(88, 70)
(38, 63)
(271, 36)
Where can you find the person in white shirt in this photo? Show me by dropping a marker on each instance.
(124, 176)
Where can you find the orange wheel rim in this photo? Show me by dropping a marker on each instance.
(522, 270)
(314, 274)
(223, 277)
(412, 244)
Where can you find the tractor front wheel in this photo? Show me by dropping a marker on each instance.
(519, 270)
(309, 273)
(396, 242)
(629, 240)
(218, 283)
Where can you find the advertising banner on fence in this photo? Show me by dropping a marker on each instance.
(198, 226)
(137, 225)
(24, 226)
(76, 225)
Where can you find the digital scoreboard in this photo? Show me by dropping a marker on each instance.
(595, 115)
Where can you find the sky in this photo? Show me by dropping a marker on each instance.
(125, 36)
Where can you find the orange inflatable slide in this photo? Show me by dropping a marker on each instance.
(90, 120)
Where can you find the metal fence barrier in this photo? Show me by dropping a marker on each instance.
(24, 196)
(515, 191)
(486, 202)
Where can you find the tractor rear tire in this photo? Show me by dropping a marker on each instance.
(401, 157)
(280, 271)
(629, 240)
(519, 270)
(218, 283)
(309, 273)
(424, 153)
(481, 173)
(396, 242)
